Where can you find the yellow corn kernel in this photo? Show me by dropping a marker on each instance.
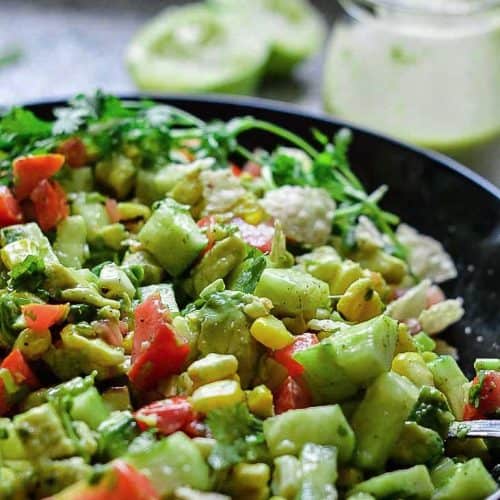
(429, 356)
(250, 481)
(213, 367)
(412, 366)
(255, 216)
(360, 302)
(271, 332)
(260, 401)
(347, 273)
(217, 395)
(378, 282)
(405, 341)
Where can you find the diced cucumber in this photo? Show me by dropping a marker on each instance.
(336, 368)
(286, 434)
(327, 380)
(71, 242)
(16, 252)
(114, 283)
(450, 380)
(287, 476)
(172, 462)
(173, 237)
(76, 180)
(293, 292)
(380, 417)
(89, 407)
(366, 350)
(319, 473)
(414, 484)
(442, 472)
(152, 271)
(93, 212)
(470, 481)
(197, 48)
(294, 29)
(487, 364)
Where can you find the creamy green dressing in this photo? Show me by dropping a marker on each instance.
(438, 88)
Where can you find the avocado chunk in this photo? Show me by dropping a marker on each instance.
(42, 433)
(225, 329)
(55, 475)
(173, 237)
(417, 445)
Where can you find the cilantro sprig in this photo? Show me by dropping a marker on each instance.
(239, 437)
(107, 124)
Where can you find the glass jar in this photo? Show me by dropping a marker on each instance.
(426, 71)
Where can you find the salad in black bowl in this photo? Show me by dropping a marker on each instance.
(199, 309)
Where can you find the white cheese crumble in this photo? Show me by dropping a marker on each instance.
(305, 213)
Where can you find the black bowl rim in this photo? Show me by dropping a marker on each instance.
(299, 111)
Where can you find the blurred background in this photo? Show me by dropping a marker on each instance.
(56, 48)
(427, 72)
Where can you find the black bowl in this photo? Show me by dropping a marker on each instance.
(429, 191)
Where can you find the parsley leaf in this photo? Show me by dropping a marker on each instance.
(239, 437)
(28, 275)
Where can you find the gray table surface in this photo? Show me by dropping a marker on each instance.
(67, 47)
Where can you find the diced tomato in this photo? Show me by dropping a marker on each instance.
(285, 355)
(291, 395)
(50, 203)
(157, 351)
(74, 151)
(235, 170)
(122, 482)
(4, 403)
(10, 211)
(259, 236)
(112, 210)
(489, 393)
(207, 221)
(252, 168)
(195, 428)
(434, 295)
(20, 370)
(42, 316)
(168, 416)
(472, 413)
(30, 170)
